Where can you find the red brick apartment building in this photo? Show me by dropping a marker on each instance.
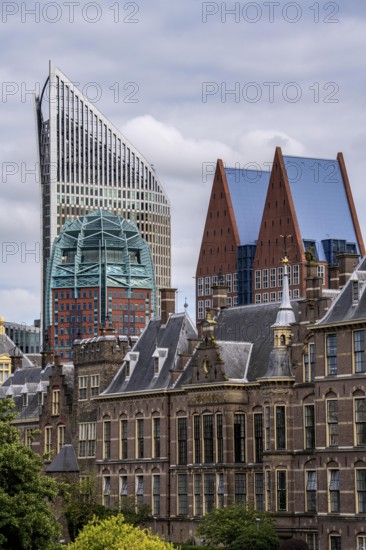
(256, 217)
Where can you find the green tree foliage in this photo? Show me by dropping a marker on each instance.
(26, 520)
(139, 517)
(115, 534)
(82, 505)
(237, 527)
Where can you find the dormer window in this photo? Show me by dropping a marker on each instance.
(25, 400)
(355, 292)
(159, 356)
(131, 360)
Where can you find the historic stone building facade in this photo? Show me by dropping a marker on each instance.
(266, 406)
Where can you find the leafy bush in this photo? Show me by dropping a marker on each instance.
(238, 527)
(115, 534)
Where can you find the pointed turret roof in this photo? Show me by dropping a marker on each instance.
(285, 316)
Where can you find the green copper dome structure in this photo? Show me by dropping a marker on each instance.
(99, 250)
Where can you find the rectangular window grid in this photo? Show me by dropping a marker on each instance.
(139, 491)
(94, 384)
(332, 422)
(258, 437)
(197, 438)
(361, 490)
(156, 495)
(309, 426)
(140, 438)
(280, 427)
(207, 286)
(334, 491)
(106, 439)
(156, 435)
(106, 491)
(182, 441)
(360, 420)
(272, 279)
(240, 488)
(239, 438)
(56, 402)
(123, 487)
(220, 491)
(209, 492)
(331, 349)
(281, 490)
(197, 495)
(311, 489)
(87, 439)
(259, 492)
(359, 351)
(83, 385)
(219, 438)
(257, 285)
(124, 438)
(182, 495)
(200, 286)
(267, 427)
(208, 441)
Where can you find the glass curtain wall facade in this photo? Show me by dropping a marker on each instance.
(86, 164)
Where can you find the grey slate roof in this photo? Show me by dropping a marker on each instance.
(8, 347)
(251, 323)
(64, 461)
(279, 364)
(343, 308)
(173, 336)
(27, 380)
(235, 355)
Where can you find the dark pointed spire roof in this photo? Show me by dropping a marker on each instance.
(285, 316)
(65, 461)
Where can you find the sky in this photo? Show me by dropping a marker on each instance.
(187, 82)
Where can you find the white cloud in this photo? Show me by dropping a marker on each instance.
(19, 305)
(169, 54)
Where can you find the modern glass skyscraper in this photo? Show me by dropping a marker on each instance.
(86, 164)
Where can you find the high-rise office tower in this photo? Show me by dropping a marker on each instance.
(86, 164)
(100, 273)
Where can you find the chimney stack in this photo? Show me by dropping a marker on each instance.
(167, 303)
(219, 297)
(313, 282)
(15, 359)
(347, 264)
(334, 277)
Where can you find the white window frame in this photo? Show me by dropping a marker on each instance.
(258, 276)
(273, 277)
